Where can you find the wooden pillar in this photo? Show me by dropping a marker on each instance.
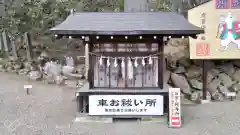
(86, 60)
(205, 68)
(85, 103)
(160, 63)
(91, 66)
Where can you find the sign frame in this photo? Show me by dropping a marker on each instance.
(98, 110)
(175, 120)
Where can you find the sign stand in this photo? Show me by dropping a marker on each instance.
(175, 116)
(27, 87)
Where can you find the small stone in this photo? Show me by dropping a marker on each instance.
(196, 84)
(184, 61)
(195, 96)
(236, 87)
(181, 82)
(227, 68)
(194, 72)
(218, 96)
(236, 75)
(67, 70)
(34, 75)
(210, 76)
(23, 71)
(71, 83)
(226, 80)
(180, 70)
(213, 85)
(223, 89)
(59, 80)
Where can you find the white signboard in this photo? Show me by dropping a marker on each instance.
(174, 107)
(126, 105)
(27, 86)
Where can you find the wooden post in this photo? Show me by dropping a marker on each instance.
(160, 63)
(205, 65)
(91, 66)
(86, 60)
(84, 104)
(28, 43)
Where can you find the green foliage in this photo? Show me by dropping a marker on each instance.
(38, 16)
(164, 5)
(35, 15)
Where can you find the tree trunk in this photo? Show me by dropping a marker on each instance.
(5, 43)
(28, 43)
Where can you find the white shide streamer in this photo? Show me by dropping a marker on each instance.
(130, 69)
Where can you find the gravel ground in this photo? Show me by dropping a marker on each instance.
(51, 109)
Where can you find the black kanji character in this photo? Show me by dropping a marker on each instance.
(137, 103)
(129, 110)
(150, 102)
(121, 110)
(145, 110)
(125, 110)
(114, 102)
(118, 110)
(106, 110)
(102, 102)
(126, 102)
(114, 110)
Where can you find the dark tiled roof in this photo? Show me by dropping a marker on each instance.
(123, 23)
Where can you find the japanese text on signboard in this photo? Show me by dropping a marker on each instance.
(132, 104)
(175, 103)
(125, 105)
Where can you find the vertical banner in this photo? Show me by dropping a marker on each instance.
(175, 120)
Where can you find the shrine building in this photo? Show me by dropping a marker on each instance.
(125, 60)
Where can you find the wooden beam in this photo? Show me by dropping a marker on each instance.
(123, 54)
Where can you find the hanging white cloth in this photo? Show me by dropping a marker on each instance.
(150, 61)
(143, 62)
(69, 61)
(115, 62)
(135, 62)
(130, 69)
(108, 62)
(101, 61)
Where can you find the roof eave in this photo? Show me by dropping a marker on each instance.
(146, 32)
